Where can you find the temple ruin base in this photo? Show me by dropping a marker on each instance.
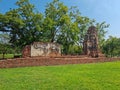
(48, 61)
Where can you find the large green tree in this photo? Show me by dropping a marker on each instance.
(64, 25)
(30, 29)
(54, 12)
(23, 23)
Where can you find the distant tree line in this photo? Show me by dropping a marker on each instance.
(58, 23)
(111, 47)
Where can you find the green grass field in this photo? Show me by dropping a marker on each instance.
(99, 76)
(7, 56)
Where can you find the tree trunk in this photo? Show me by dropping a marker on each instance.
(3, 56)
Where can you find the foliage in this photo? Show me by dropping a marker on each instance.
(5, 47)
(23, 24)
(98, 76)
(111, 46)
(59, 24)
(75, 50)
(6, 56)
(101, 32)
(4, 38)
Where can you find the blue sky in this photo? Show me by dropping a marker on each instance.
(100, 10)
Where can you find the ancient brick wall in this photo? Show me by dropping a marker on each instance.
(26, 52)
(45, 61)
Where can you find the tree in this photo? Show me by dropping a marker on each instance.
(4, 44)
(23, 23)
(63, 25)
(53, 14)
(101, 32)
(111, 47)
(30, 29)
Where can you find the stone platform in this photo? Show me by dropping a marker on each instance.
(48, 61)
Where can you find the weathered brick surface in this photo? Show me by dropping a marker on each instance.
(45, 61)
(41, 49)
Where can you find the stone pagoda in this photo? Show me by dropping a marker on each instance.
(90, 44)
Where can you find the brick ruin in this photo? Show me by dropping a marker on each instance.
(47, 61)
(90, 47)
(41, 49)
(90, 44)
(36, 49)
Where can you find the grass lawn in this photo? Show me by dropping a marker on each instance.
(99, 76)
(6, 56)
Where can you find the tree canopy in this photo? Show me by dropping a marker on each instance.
(59, 24)
(111, 47)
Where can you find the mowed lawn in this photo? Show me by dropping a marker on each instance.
(7, 56)
(96, 76)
